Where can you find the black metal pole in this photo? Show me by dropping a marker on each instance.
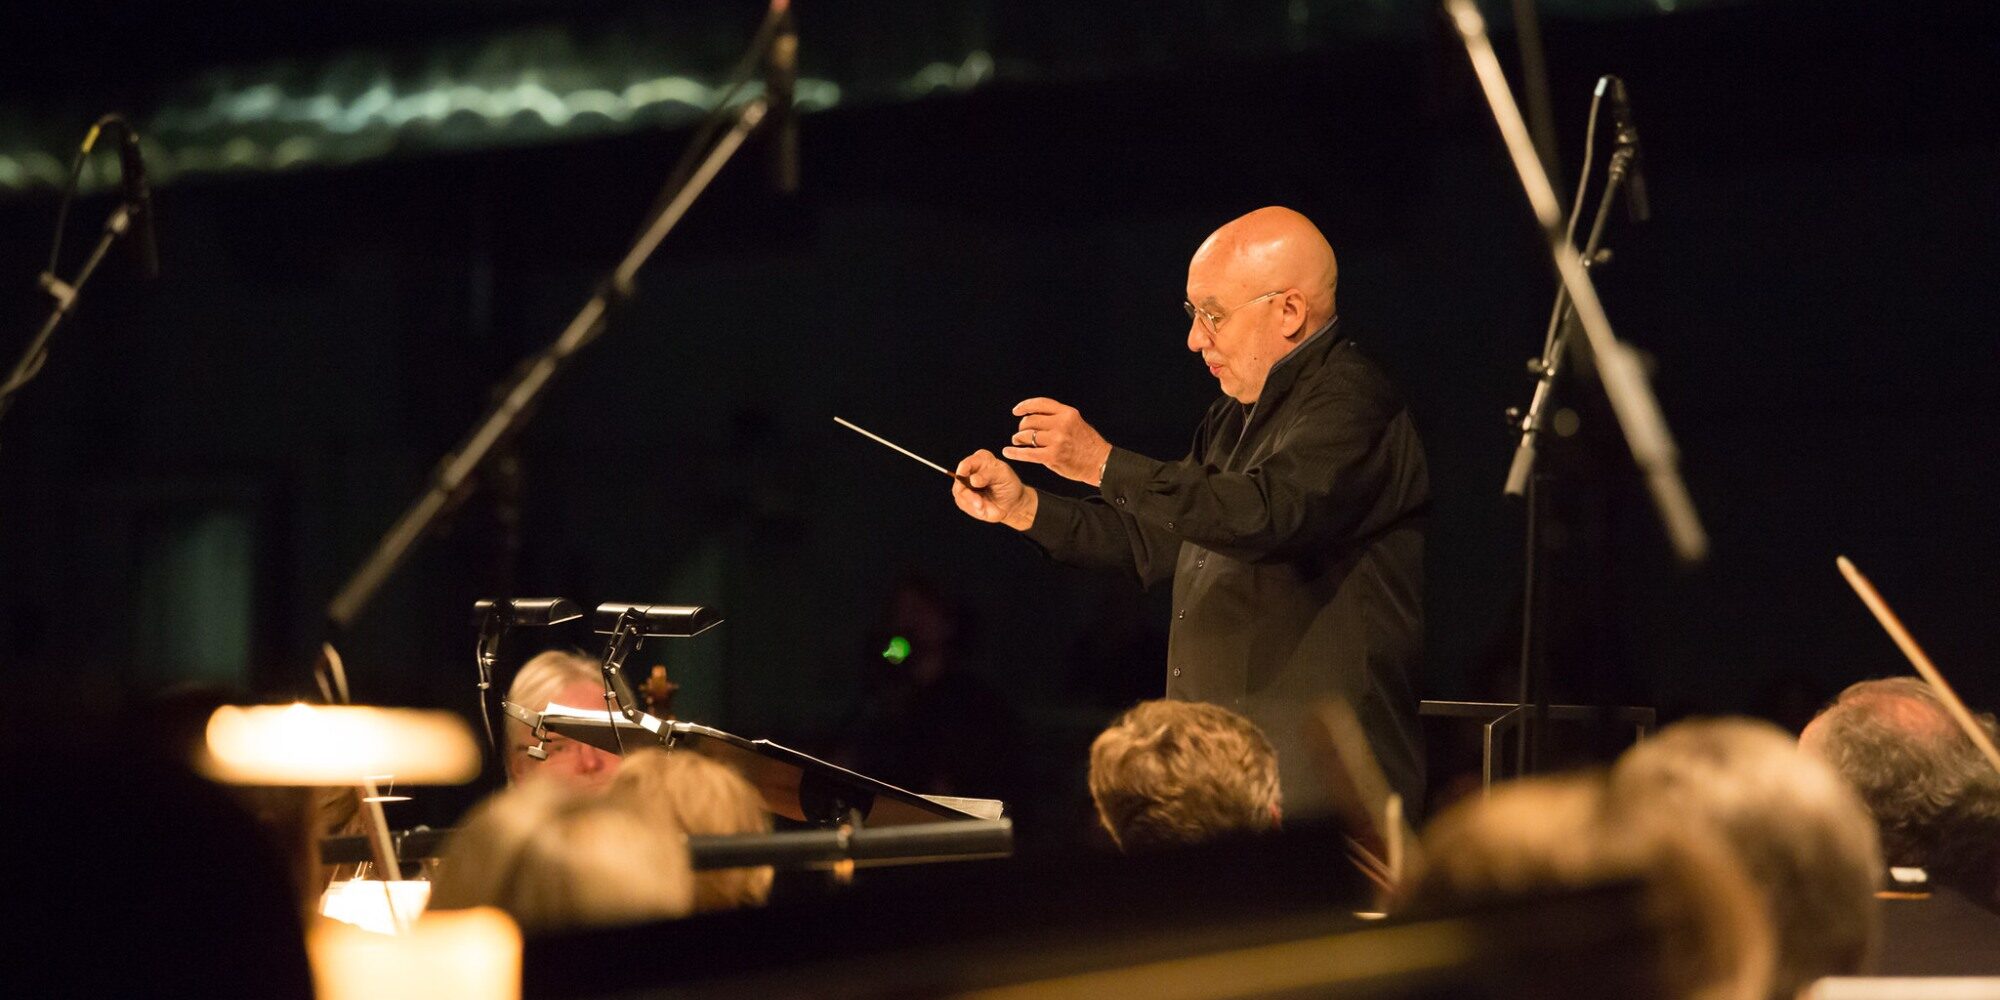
(517, 399)
(1531, 740)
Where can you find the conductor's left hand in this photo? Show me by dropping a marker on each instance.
(1055, 435)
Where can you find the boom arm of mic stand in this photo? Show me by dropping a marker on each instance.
(1631, 399)
(509, 414)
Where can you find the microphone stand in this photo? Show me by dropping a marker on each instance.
(65, 294)
(1638, 411)
(451, 480)
(131, 215)
(1526, 481)
(518, 396)
(1631, 399)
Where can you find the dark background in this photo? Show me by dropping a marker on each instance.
(208, 456)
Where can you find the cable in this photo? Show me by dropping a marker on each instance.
(1575, 210)
(76, 175)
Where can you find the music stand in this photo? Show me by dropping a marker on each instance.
(794, 785)
(950, 840)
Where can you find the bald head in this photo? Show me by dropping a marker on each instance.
(1274, 248)
(1273, 266)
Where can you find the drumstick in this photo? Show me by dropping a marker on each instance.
(1929, 670)
(885, 442)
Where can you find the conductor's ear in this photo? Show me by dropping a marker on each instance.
(1296, 313)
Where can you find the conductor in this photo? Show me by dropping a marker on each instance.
(1293, 529)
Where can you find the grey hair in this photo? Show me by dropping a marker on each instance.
(1897, 744)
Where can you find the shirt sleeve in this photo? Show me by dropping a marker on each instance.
(1090, 533)
(1096, 533)
(1332, 477)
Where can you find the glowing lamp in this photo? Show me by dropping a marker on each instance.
(302, 744)
(449, 955)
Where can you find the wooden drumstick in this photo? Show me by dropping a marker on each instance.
(1915, 653)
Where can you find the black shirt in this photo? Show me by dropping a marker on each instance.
(1294, 532)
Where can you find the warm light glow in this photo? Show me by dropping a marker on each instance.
(338, 745)
(365, 903)
(452, 955)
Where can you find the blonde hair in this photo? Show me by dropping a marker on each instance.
(1803, 835)
(535, 684)
(1175, 773)
(684, 791)
(554, 858)
(1545, 834)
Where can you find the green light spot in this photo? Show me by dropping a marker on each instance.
(898, 651)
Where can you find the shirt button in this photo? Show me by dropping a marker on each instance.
(1199, 563)
(1121, 501)
(1170, 525)
(1181, 613)
(1177, 671)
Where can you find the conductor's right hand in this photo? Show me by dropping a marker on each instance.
(987, 488)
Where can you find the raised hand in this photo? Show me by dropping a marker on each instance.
(1055, 435)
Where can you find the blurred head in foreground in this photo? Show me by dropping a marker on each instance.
(564, 678)
(1702, 918)
(1921, 777)
(1178, 773)
(1802, 834)
(688, 792)
(555, 858)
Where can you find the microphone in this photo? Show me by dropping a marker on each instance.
(138, 201)
(658, 620)
(1636, 204)
(781, 77)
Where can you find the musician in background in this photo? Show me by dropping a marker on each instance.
(1804, 837)
(1706, 930)
(1936, 801)
(559, 677)
(558, 857)
(927, 721)
(1897, 744)
(685, 791)
(1180, 773)
(1294, 528)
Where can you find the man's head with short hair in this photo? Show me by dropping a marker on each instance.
(683, 790)
(1177, 773)
(1803, 835)
(1897, 744)
(556, 858)
(1259, 286)
(1702, 916)
(559, 677)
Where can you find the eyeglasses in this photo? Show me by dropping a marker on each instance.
(1212, 322)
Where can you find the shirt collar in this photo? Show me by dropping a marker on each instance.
(1285, 369)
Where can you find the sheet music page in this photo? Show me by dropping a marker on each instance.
(980, 808)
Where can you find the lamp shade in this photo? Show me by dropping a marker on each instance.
(302, 744)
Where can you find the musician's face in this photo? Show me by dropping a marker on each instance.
(576, 764)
